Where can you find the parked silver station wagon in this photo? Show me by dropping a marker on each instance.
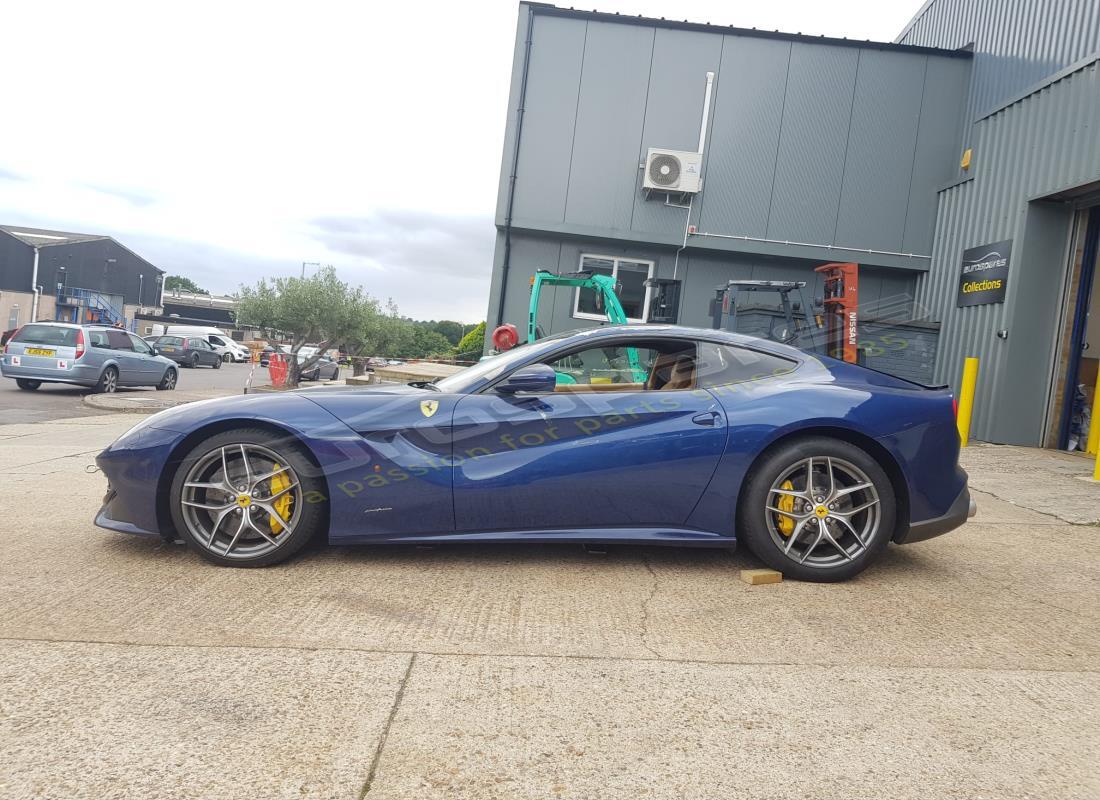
(86, 355)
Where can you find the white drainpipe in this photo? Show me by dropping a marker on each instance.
(34, 288)
(706, 112)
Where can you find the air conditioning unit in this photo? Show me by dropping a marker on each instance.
(675, 171)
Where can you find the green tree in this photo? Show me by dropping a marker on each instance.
(450, 329)
(383, 334)
(173, 282)
(428, 343)
(472, 345)
(318, 309)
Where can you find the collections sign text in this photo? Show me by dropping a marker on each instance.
(984, 276)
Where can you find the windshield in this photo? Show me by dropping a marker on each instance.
(492, 367)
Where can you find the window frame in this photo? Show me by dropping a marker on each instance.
(140, 346)
(115, 338)
(615, 260)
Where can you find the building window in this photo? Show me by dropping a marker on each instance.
(629, 273)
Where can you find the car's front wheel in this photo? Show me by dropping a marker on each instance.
(27, 384)
(168, 382)
(218, 364)
(227, 357)
(817, 509)
(247, 498)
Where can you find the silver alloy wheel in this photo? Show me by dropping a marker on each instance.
(228, 501)
(110, 380)
(833, 506)
(170, 379)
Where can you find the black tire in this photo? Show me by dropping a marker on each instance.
(312, 518)
(168, 382)
(108, 382)
(27, 384)
(227, 357)
(218, 364)
(193, 363)
(757, 528)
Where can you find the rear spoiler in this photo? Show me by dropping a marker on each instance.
(929, 387)
(941, 387)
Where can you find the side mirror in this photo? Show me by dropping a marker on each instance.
(539, 378)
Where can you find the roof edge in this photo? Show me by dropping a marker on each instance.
(909, 25)
(547, 9)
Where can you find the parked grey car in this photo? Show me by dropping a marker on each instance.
(188, 351)
(86, 355)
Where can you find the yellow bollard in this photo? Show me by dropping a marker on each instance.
(966, 399)
(1094, 421)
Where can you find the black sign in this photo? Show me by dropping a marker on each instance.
(984, 274)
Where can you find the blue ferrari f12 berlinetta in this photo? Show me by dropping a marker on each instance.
(641, 434)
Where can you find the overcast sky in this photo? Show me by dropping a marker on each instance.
(229, 141)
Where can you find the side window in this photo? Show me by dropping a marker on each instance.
(722, 365)
(608, 368)
(99, 339)
(651, 366)
(140, 345)
(197, 344)
(215, 340)
(119, 340)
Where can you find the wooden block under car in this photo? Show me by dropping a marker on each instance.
(756, 577)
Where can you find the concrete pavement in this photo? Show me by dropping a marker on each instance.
(961, 667)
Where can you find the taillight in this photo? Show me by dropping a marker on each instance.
(79, 343)
(955, 406)
(184, 344)
(12, 339)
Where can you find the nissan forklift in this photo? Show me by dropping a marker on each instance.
(834, 331)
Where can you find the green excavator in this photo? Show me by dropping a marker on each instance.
(505, 337)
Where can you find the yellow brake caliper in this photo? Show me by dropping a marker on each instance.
(786, 503)
(282, 504)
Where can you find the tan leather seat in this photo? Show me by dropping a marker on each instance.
(672, 371)
(683, 374)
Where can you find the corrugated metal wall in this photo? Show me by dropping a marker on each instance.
(1017, 43)
(1047, 142)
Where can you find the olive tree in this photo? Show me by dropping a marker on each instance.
(319, 309)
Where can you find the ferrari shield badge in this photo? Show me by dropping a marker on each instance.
(428, 407)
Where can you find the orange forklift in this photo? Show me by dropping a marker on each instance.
(841, 311)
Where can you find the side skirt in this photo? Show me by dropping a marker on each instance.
(674, 537)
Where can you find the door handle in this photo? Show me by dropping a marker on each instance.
(706, 418)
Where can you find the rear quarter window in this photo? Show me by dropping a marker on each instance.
(46, 334)
(722, 365)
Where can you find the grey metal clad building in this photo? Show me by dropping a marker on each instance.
(79, 277)
(817, 150)
(1033, 125)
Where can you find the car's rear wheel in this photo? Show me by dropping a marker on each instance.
(27, 384)
(108, 381)
(218, 364)
(247, 498)
(193, 362)
(168, 382)
(817, 509)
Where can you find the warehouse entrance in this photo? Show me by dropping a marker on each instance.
(1079, 360)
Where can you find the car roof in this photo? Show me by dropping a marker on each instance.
(57, 324)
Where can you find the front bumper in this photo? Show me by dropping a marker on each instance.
(962, 509)
(104, 519)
